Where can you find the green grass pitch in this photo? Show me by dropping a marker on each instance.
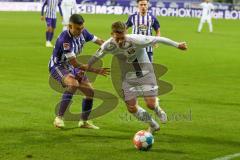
(204, 105)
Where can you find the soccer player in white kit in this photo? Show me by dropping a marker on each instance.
(69, 7)
(138, 78)
(207, 7)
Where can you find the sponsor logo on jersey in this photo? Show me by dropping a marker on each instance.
(143, 27)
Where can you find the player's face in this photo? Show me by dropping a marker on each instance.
(143, 6)
(76, 29)
(119, 37)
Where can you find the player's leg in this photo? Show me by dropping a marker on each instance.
(130, 97)
(141, 114)
(201, 24)
(53, 26)
(209, 21)
(49, 32)
(153, 104)
(87, 103)
(67, 79)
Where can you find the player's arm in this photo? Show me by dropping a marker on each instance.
(71, 57)
(158, 32)
(129, 22)
(101, 52)
(145, 41)
(75, 9)
(90, 37)
(156, 26)
(99, 41)
(85, 67)
(213, 8)
(167, 41)
(60, 8)
(42, 10)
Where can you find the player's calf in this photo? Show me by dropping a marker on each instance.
(131, 106)
(153, 104)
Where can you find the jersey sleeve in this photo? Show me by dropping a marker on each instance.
(89, 36)
(156, 24)
(143, 41)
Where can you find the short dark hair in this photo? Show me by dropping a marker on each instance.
(119, 27)
(142, 0)
(76, 19)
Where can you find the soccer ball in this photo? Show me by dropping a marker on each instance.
(143, 140)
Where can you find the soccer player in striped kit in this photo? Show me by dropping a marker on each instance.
(69, 7)
(65, 68)
(142, 22)
(51, 18)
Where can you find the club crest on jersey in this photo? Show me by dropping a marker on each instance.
(66, 46)
(111, 47)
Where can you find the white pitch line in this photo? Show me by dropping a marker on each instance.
(228, 157)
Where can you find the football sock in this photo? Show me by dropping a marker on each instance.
(86, 108)
(200, 27)
(157, 108)
(47, 36)
(66, 99)
(210, 27)
(50, 36)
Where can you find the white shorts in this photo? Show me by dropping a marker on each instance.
(145, 86)
(204, 19)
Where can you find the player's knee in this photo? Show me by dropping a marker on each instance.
(132, 109)
(50, 29)
(71, 89)
(90, 93)
(151, 103)
(71, 83)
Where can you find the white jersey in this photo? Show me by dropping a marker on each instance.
(132, 53)
(207, 8)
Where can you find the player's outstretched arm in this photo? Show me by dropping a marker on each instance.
(100, 53)
(60, 8)
(167, 41)
(42, 10)
(99, 41)
(85, 67)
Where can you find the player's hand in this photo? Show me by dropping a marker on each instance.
(182, 46)
(155, 45)
(42, 18)
(103, 71)
(80, 73)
